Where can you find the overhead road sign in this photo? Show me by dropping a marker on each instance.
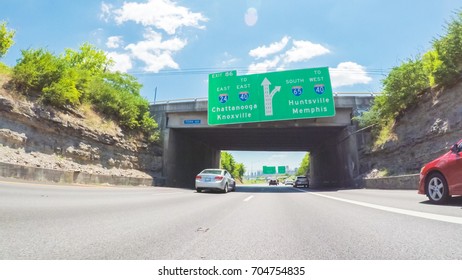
(284, 95)
(269, 169)
(272, 169)
(281, 170)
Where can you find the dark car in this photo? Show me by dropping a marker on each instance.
(301, 181)
(442, 177)
(273, 182)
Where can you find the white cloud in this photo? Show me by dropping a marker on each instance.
(264, 66)
(303, 51)
(162, 14)
(114, 42)
(155, 53)
(105, 11)
(122, 62)
(300, 51)
(153, 50)
(228, 60)
(264, 51)
(348, 73)
(345, 74)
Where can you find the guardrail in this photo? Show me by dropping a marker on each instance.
(184, 100)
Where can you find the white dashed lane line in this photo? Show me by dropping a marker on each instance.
(430, 216)
(248, 198)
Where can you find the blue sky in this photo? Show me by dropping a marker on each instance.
(174, 45)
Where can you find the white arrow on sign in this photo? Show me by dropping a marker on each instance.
(269, 96)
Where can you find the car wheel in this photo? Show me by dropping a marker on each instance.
(437, 188)
(225, 190)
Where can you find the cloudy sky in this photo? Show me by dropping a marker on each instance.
(173, 45)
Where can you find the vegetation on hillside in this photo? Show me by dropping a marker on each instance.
(81, 77)
(6, 41)
(236, 169)
(6, 38)
(441, 66)
(304, 166)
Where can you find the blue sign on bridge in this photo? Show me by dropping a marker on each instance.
(192, 122)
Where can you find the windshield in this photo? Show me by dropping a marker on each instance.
(212, 171)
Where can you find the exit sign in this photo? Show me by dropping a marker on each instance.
(281, 169)
(272, 170)
(284, 95)
(269, 169)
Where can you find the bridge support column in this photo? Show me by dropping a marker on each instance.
(335, 163)
(185, 157)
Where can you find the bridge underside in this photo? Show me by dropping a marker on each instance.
(333, 152)
(191, 145)
(262, 139)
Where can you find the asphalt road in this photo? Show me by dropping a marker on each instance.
(255, 222)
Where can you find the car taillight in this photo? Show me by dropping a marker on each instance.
(198, 177)
(218, 178)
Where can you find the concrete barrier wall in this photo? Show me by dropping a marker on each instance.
(7, 170)
(404, 182)
(36, 174)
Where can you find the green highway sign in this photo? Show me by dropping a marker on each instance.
(272, 170)
(269, 169)
(284, 95)
(281, 170)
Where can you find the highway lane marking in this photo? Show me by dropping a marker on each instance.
(166, 193)
(248, 198)
(430, 216)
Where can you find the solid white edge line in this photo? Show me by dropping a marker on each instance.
(437, 217)
(248, 198)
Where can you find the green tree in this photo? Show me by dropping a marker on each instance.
(401, 88)
(37, 69)
(440, 66)
(81, 76)
(227, 162)
(304, 165)
(6, 39)
(90, 63)
(449, 52)
(431, 65)
(239, 170)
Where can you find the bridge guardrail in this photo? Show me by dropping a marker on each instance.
(184, 100)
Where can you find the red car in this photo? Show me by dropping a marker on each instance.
(442, 177)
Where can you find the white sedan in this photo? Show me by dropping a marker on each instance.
(215, 179)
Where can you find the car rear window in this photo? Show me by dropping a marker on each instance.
(212, 171)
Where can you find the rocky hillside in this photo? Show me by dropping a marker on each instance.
(424, 132)
(39, 136)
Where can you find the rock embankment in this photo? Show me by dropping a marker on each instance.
(424, 132)
(40, 136)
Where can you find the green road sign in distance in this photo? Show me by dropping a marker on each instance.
(269, 169)
(285, 95)
(281, 170)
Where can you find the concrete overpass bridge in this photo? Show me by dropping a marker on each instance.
(190, 144)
